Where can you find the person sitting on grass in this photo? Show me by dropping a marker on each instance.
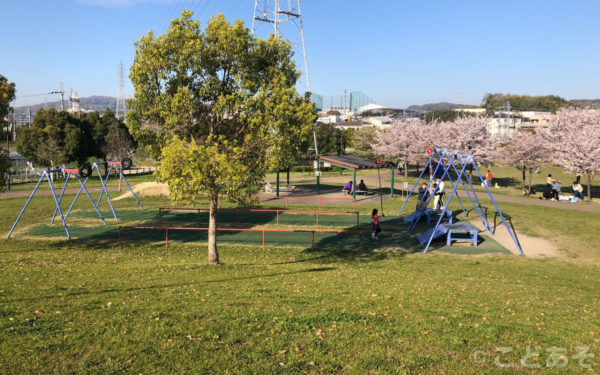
(376, 227)
(578, 190)
(362, 188)
(548, 192)
(348, 188)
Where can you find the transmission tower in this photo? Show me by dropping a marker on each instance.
(286, 19)
(62, 96)
(121, 112)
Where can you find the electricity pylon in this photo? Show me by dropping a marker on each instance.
(281, 14)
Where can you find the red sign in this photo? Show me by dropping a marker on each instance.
(429, 150)
(377, 161)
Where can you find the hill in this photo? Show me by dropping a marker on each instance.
(434, 106)
(93, 103)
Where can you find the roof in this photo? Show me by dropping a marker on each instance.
(351, 161)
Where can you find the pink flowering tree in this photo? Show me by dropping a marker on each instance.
(403, 140)
(526, 151)
(573, 135)
(468, 135)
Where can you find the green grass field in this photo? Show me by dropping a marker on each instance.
(90, 305)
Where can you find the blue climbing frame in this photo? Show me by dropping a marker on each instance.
(116, 165)
(46, 175)
(462, 160)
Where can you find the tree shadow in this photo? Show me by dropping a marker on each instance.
(174, 285)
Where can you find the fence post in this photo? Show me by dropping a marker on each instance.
(286, 202)
(263, 239)
(357, 221)
(318, 218)
(354, 204)
(166, 236)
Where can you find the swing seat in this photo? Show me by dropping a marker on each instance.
(434, 214)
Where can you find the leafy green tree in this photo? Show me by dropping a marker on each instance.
(331, 140)
(548, 103)
(445, 115)
(4, 168)
(362, 139)
(7, 95)
(55, 138)
(218, 107)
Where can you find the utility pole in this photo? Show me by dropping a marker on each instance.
(272, 12)
(62, 96)
(121, 112)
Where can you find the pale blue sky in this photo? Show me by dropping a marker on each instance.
(397, 52)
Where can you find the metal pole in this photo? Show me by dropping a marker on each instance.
(415, 185)
(392, 185)
(26, 204)
(58, 206)
(61, 196)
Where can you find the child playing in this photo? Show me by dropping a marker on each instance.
(376, 228)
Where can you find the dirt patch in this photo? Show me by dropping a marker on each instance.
(533, 247)
(146, 189)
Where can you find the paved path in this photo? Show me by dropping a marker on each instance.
(330, 187)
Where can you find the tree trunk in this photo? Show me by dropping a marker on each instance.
(213, 255)
(406, 170)
(530, 176)
(589, 185)
(524, 169)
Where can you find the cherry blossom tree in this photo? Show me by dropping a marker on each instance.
(526, 151)
(406, 140)
(573, 135)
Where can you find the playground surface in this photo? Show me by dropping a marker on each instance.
(84, 227)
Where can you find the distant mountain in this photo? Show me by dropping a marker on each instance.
(90, 103)
(586, 102)
(434, 106)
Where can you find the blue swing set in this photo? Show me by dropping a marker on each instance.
(85, 172)
(449, 162)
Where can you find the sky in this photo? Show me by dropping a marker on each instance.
(397, 52)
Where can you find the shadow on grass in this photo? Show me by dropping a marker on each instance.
(174, 285)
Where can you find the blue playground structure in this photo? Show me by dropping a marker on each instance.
(118, 166)
(84, 171)
(451, 162)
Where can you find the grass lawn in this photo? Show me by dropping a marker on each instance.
(90, 305)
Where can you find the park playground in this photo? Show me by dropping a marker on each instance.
(101, 306)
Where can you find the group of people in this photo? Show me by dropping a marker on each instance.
(361, 187)
(553, 189)
(437, 189)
